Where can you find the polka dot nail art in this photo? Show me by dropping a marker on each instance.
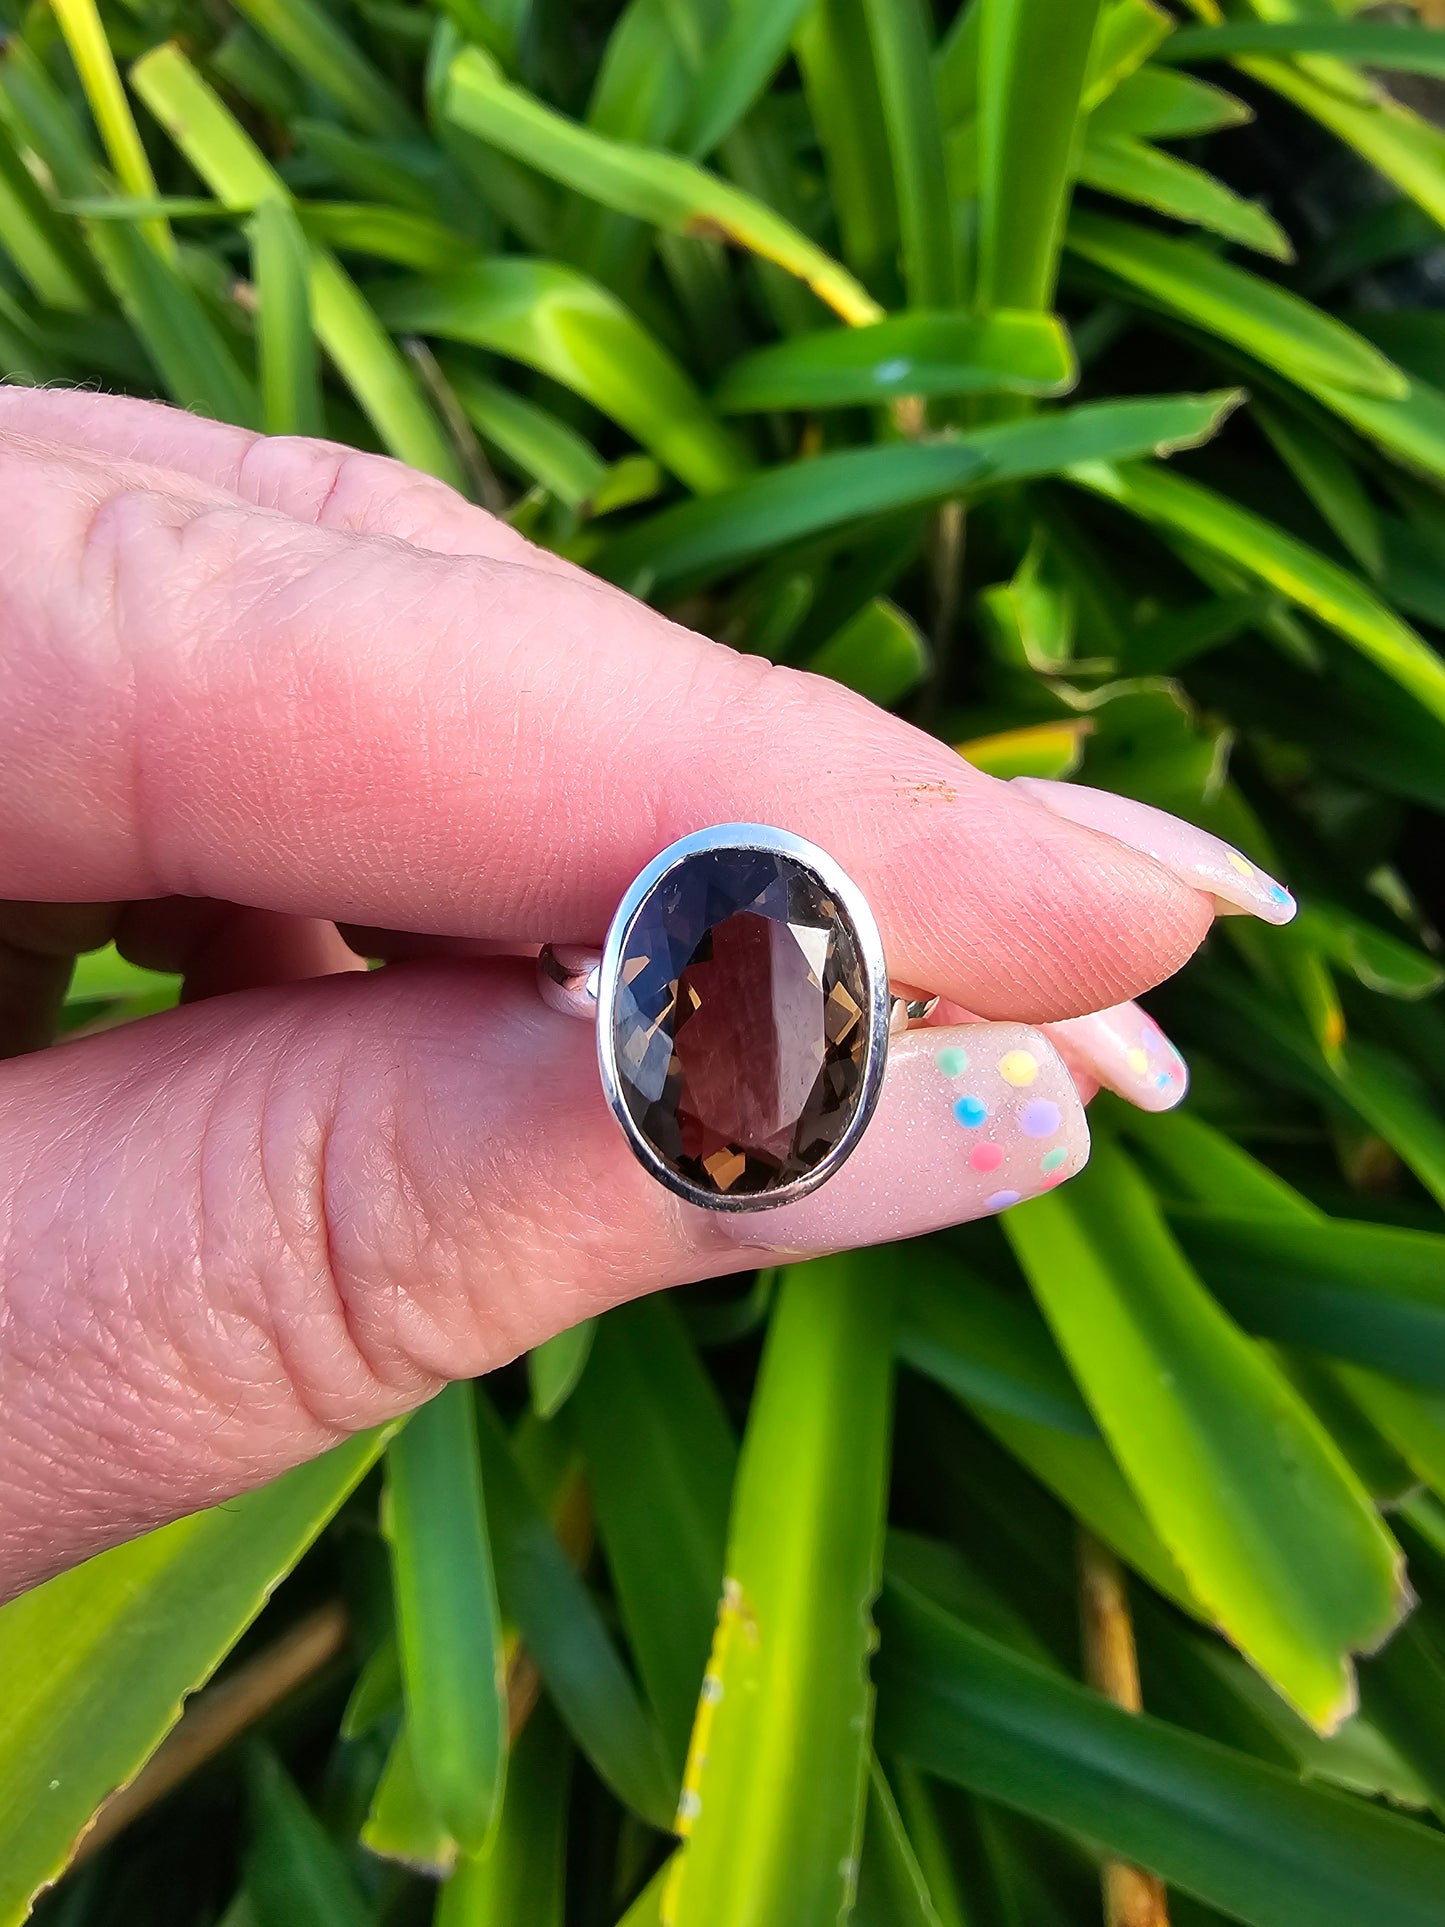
(972, 1120)
(1125, 1050)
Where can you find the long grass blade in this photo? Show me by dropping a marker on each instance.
(448, 1621)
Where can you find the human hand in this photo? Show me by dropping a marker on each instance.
(255, 688)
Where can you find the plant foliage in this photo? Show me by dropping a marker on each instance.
(989, 360)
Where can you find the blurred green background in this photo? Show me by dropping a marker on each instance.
(1070, 377)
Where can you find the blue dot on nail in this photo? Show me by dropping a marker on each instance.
(970, 1110)
(1278, 894)
(1163, 1079)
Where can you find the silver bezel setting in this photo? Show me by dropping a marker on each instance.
(854, 906)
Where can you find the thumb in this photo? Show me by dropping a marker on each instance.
(243, 1229)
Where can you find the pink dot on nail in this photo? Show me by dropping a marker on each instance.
(985, 1157)
(1001, 1200)
(1039, 1119)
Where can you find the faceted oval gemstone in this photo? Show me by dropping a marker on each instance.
(740, 1023)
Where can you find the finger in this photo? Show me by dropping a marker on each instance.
(207, 700)
(246, 948)
(1126, 1051)
(302, 476)
(238, 1231)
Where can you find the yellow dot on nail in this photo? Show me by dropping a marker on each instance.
(1237, 862)
(1018, 1067)
(1138, 1062)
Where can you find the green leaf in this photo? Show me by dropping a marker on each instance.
(841, 84)
(772, 1811)
(782, 505)
(986, 1348)
(193, 360)
(1329, 479)
(557, 321)
(312, 41)
(37, 240)
(285, 346)
(1127, 32)
(1374, 1294)
(547, 450)
(1155, 104)
(1308, 579)
(402, 1824)
(553, 1368)
(295, 1870)
(1039, 749)
(648, 184)
(521, 1881)
(95, 1664)
(563, 1631)
(899, 33)
(1237, 1834)
(398, 234)
(1033, 59)
(738, 66)
(1279, 328)
(1131, 170)
(892, 1889)
(881, 653)
(1403, 49)
(660, 1457)
(1268, 1525)
(911, 354)
(226, 158)
(1382, 1089)
(1084, 1476)
(103, 976)
(1380, 960)
(448, 1624)
(85, 36)
(1406, 148)
(1411, 428)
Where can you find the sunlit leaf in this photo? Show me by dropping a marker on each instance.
(650, 186)
(772, 1809)
(448, 1623)
(1264, 1518)
(912, 354)
(1242, 308)
(95, 1664)
(1243, 1836)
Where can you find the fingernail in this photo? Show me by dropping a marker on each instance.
(1195, 857)
(1127, 1052)
(971, 1119)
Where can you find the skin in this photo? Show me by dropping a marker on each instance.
(252, 690)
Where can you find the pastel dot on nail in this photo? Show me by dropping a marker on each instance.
(1040, 1119)
(1051, 1160)
(1278, 894)
(1237, 862)
(952, 1061)
(1018, 1067)
(1138, 1062)
(1001, 1200)
(1163, 1080)
(971, 1111)
(985, 1157)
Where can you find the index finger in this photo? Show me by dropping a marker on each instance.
(205, 697)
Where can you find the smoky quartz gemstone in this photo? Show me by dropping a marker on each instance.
(740, 1021)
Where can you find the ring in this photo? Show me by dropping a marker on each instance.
(743, 1011)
